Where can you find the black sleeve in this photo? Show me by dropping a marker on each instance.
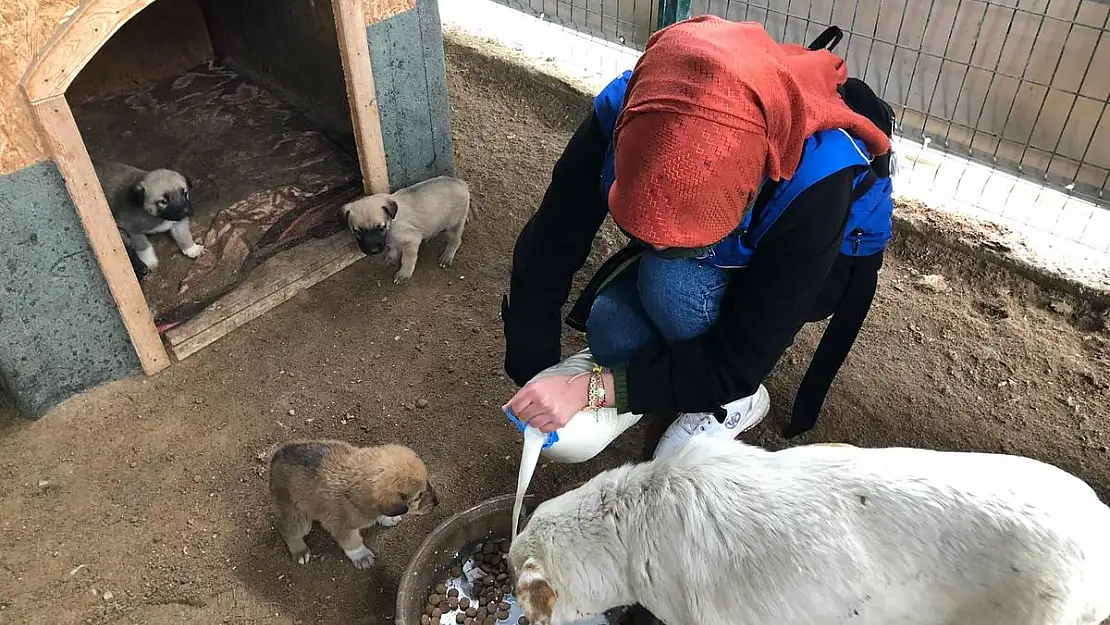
(551, 248)
(764, 306)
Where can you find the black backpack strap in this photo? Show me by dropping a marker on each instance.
(836, 342)
(864, 186)
(827, 39)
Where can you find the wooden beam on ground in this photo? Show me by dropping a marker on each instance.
(270, 284)
(63, 140)
(354, 51)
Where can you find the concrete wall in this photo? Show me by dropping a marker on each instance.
(60, 332)
(411, 82)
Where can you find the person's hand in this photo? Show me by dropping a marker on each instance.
(548, 403)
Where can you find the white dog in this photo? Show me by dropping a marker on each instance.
(722, 533)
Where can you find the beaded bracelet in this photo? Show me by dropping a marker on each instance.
(596, 394)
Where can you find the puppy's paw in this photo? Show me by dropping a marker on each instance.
(401, 277)
(362, 557)
(392, 255)
(194, 251)
(149, 258)
(388, 521)
(445, 260)
(302, 557)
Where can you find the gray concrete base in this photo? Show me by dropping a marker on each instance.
(60, 331)
(410, 79)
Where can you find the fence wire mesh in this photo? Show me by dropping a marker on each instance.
(1018, 90)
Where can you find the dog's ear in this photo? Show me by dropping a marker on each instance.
(345, 214)
(391, 208)
(138, 194)
(536, 596)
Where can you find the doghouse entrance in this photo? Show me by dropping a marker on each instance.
(267, 105)
(248, 101)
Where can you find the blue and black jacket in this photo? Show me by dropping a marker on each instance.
(809, 247)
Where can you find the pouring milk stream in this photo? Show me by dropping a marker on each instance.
(583, 437)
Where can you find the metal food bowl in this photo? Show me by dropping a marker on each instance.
(451, 544)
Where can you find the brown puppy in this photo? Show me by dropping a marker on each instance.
(346, 489)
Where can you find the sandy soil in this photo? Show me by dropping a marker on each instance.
(142, 502)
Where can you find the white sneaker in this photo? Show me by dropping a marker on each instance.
(741, 416)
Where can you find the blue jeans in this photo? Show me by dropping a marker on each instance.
(656, 300)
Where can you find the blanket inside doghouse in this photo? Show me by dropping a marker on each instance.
(263, 178)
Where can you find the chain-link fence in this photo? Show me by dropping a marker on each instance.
(1001, 102)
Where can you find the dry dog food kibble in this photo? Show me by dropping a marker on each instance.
(482, 596)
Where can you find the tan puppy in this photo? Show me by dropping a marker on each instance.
(149, 202)
(346, 489)
(399, 222)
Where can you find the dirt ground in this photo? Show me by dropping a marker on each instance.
(142, 502)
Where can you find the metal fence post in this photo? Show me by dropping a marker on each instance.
(671, 11)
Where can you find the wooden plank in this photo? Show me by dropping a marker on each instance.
(269, 285)
(354, 51)
(63, 140)
(73, 45)
(381, 10)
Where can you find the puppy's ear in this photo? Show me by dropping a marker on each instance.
(391, 209)
(536, 596)
(345, 214)
(138, 194)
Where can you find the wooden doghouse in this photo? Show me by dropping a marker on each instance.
(379, 46)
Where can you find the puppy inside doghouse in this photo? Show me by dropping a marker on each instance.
(398, 223)
(149, 202)
(345, 489)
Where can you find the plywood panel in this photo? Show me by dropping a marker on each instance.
(378, 10)
(25, 25)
